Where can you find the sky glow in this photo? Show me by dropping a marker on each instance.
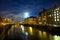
(26, 14)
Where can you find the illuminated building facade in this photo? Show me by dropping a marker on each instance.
(30, 20)
(53, 16)
(50, 16)
(4, 21)
(42, 17)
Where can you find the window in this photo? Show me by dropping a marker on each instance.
(58, 8)
(57, 16)
(54, 11)
(44, 22)
(40, 22)
(49, 15)
(54, 14)
(57, 19)
(57, 11)
(54, 19)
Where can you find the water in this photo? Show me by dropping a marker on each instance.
(28, 33)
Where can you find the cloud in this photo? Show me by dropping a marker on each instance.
(18, 16)
(8, 14)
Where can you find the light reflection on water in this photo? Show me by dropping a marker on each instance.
(40, 34)
(31, 33)
(22, 27)
(56, 37)
(30, 30)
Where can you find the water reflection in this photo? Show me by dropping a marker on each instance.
(26, 33)
(30, 30)
(22, 27)
(55, 37)
(40, 35)
(50, 37)
(29, 33)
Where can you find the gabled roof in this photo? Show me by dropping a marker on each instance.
(44, 10)
(47, 10)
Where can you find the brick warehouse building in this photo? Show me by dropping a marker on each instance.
(50, 16)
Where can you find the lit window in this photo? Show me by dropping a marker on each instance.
(58, 8)
(54, 14)
(54, 11)
(49, 15)
(40, 22)
(57, 19)
(57, 16)
(44, 22)
(54, 17)
(57, 11)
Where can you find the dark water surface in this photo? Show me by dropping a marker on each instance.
(28, 33)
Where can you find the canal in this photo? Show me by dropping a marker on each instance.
(29, 33)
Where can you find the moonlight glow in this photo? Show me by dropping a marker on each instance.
(26, 14)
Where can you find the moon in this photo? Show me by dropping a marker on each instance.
(26, 14)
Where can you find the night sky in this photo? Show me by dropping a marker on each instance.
(20, 9)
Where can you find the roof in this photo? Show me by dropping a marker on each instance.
(50, 9)
(31, 17)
